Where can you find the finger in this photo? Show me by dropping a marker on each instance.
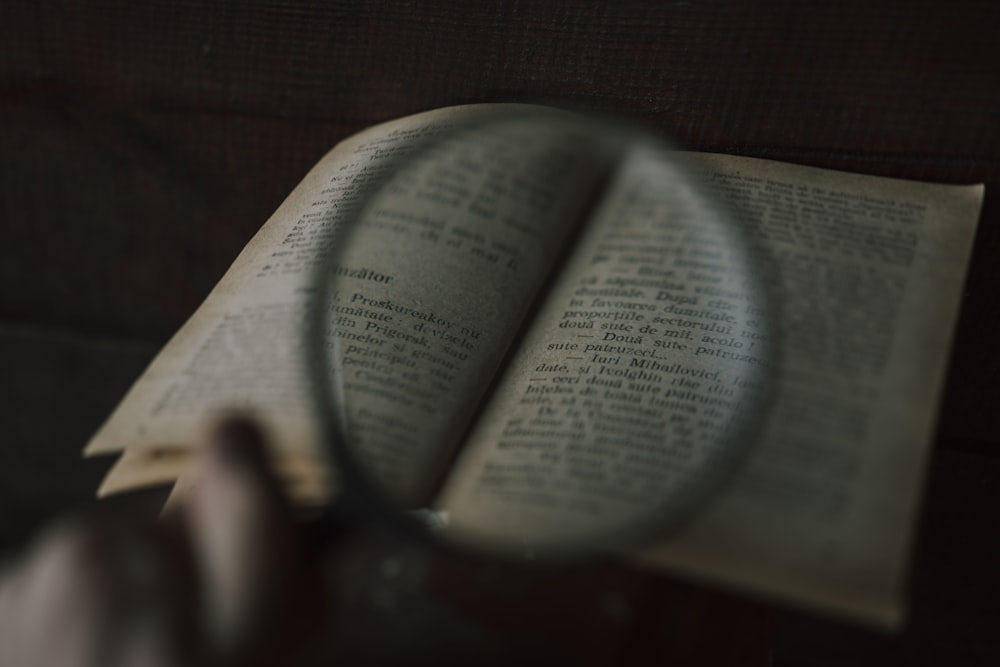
(242, 534)
(62, 594)
(87, 592)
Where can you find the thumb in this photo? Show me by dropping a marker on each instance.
(243, 537)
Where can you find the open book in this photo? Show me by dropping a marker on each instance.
(868, 272)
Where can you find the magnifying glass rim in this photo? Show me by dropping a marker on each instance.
(359, 492)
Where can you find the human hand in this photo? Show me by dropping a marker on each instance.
(226, 580)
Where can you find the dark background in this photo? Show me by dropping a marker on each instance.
(143, 142)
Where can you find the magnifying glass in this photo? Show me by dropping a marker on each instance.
(544, 329)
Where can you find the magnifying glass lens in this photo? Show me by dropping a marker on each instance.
(545, 328)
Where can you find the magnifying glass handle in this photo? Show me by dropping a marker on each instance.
(331, 526)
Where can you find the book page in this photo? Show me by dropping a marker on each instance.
(871, 273)
(866, 279)
(488, 213)
(641, 373)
